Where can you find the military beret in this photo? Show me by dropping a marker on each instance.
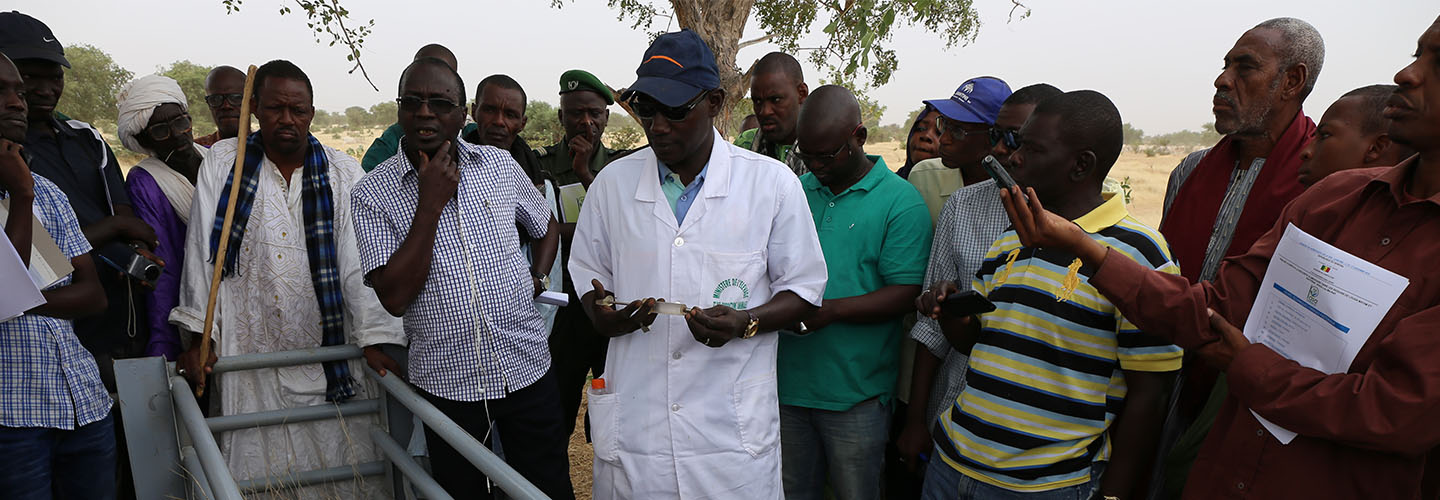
(579, 79)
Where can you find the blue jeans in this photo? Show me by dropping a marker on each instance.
(943, 482)
(847, 446)
(41, 464)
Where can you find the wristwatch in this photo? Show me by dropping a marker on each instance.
(751, 328)
(544, 280)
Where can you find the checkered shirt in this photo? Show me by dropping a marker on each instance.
(970, 222)
(46, 378)
(474, 330)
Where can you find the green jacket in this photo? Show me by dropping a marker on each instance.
(555, 159)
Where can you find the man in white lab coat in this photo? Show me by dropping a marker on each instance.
(689, 408)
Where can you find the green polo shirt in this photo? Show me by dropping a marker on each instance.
(556, 160)
(874, 234)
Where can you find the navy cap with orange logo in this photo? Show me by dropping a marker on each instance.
(24, 37)
(676, 68)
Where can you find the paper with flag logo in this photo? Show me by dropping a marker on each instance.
(1318, 305)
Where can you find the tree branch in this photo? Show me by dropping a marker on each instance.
(762, 39)
(354, 48)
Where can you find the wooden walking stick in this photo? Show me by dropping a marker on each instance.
(225, 226)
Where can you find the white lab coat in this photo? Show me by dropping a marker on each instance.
(682, 420)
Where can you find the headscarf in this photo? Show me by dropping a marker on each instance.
(137, 102)
(904, 171)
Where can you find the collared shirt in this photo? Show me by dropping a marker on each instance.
(1046, 378)
(972, 219)
(753, 140)
(555, 159)
(1241, 180)
(874, 234)
(679, 194)
(48, 379)
(936, 183)
(474, 330)
(1366, 433)
(385, 146)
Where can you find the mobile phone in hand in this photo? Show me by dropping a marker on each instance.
(966, 303)
(998, 172)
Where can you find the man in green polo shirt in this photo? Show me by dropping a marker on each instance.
(837, 370)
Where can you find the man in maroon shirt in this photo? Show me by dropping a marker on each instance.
(1368, 433)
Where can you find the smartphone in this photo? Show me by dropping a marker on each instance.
(997, 172)
(966, 303)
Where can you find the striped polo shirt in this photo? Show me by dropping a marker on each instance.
(1045, 376)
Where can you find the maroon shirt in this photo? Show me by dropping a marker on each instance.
(1371, 432)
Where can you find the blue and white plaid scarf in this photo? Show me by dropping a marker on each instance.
(319, 241)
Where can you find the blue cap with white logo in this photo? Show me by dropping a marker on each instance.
(977, 100)
(676, 68)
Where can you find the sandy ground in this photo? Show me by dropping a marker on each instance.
(1146, 176)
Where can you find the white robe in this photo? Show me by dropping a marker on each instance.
(269, 305)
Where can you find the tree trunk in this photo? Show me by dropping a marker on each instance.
(720, 23)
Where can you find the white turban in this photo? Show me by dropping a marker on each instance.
(137, 102)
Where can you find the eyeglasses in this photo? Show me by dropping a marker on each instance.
(217, 100)
(646, 108)
(1011, 138)
(953, 127)
(438, 105)
(825, 159)
(173, 127)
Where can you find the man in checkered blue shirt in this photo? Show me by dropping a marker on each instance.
(55, 426)
(436, 225)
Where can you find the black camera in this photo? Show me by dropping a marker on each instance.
(128, 261)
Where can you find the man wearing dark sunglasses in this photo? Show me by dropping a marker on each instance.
(688, 407)
(385, 146)
(964, 125)
(837, 374)
(436, 225)
(223, 88)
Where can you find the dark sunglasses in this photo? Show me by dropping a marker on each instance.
(438, 105)
(1011, 138)
(825, 159)
(943, 125)
(216, 100)
(173, 127)
(646, 107)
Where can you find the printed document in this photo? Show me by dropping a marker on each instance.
(1318, 305)
(19, 293)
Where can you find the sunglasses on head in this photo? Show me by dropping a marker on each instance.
(438, 105)
(1011, 138)
(646, 107)
(170, 128)
(216, 100)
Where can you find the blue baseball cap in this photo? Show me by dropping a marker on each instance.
(676, 68)
(977, 100)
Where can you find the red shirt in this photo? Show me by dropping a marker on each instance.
(1371, 432)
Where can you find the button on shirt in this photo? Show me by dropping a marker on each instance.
(873, 235)
(474, 330)
(48, 379)
(1367, 433)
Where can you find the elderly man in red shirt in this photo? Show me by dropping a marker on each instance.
(1367, 433)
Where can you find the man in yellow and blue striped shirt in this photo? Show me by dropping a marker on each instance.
(1055, 365)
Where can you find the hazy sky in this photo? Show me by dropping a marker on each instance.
(1156, 59)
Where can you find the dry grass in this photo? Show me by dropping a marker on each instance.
(582, 457)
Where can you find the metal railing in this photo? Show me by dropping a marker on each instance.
(163, 424)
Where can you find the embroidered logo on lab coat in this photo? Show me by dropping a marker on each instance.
(732, 293)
